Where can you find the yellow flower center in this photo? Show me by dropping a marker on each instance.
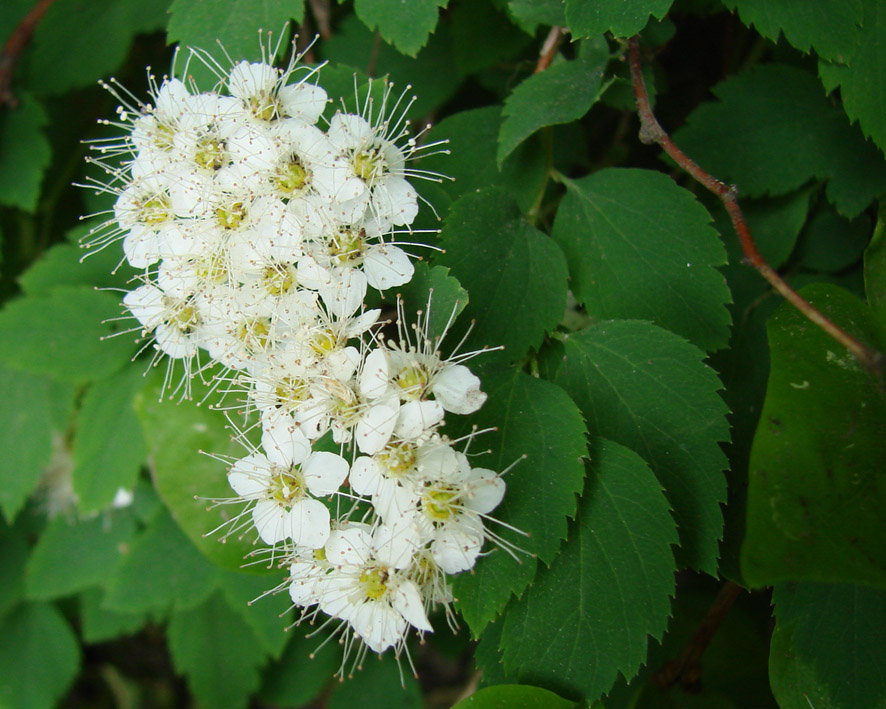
(162, 135)
(265, 107)
(374, 582)
(254, 333)
(211, 153)
(413, 381)
(369, 165)
(278, 279)
(324, 342)
(231, 216)
(346, 245)
(292, 390)
(440, 502)
(291, 177)
(397, 459)
(156, 210)
(287, 486)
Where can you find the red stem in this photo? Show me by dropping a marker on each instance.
(13, 48)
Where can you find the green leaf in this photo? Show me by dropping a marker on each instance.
(60, 335)
(74, 556)
(60, 266)
(379, 684)
(639, 246)
(234, 23)
(831, 27)
(836, 641)
(504, 263)
(649, 390)
(623, 19)
(815, 496)
(13, 557)
(483, 36)
(298, 677)
(861, 84)
(832, 242)
(39, 657)
(265, 615)
(109, 448)
(447, 297)
(563, 93)
(471, 162)
(24, 153)
(26, 436)
(101, 625)
(430, 74)
(185, 479)
(405, 25)
(618, 563)
(539, 12)
(514, 696)
(63, 59)
(538, 420)
(794, 681)
(161, 568)
(875, 269)
(773, 129)
(217, 652)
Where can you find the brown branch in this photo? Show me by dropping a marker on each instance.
(549, 49)
(652, 132)
(321, 11)
(685, 668)
(13, 48)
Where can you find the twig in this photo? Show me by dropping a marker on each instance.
(13, 48)
(373, 54)
(320, 8)
(685, 668)
(652, 132)
(549, 49)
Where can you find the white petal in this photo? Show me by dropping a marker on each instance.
(284, 443)
(485, 490)
(387, 267)
(407, 601)
(375, 428)
(395, 544)
(349, 546)
(309, 523)
(454, 550)
(458, 390)
(365, 476)
(416, 417)
(324, 472)
(271, 520)
(374, 380)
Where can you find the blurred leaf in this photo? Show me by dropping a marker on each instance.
(483, 36)
(773, 129)
(26, 437)
(561, 94)
(72, 556)
(471, 162)
(504, 262)
(513, 696)
(816, 492)
(161, 568)
(217, 652)
(100, 625)
(430, 73)
(39, 657)
(13, 556)
(186, 479)
(537, 420)
(404, 25)
(447, 298)
(861, 85)
(623, 19)
(587, 618)
(297, 677)
(64, 59)
(832, 242)
(831, 27)
(832, 645)
(639, 246)
(649, 390)
(60, 334)
(109, 448)
(265, 614)
(875, 269)
(24, 153)
(538, 12)
(380, 683)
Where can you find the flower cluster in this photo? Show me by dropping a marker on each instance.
(257, 234)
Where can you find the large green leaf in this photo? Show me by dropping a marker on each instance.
(14, 552)
(264, 612)
(436, 294)
(39, 657)
(514, 696)
(831, 27)
(483, 37)
(538, 12)
(298, 676)
(773, 129)
(24, 153)
(561, 94)
(72, 556)
(159, 570)
(217, 652)
(832, 647)
(64, 59)
(109, 448)
(588, 617)
(816, 491)
(649, 390)
(187, 479)
(60, 334)
(25, 436)
(861, 82)
(61, 266)
(639, 246)
(98, 624)
(505, 264)
(405, 25)
(623, 19)
(535, 419)
(378, 684)
(472, 136)
(875, 269)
